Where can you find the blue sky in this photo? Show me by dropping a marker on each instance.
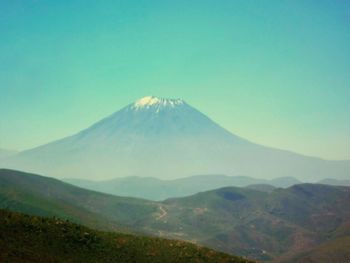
(274, 72)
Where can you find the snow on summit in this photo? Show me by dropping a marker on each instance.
(147, 101)
(151, 101)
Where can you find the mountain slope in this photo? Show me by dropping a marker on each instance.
(45, 196)
(26, 238)
(266, 226)
(337, 250)
(274, 225)
(166, 138)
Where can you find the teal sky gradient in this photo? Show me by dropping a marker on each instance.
(275, 72)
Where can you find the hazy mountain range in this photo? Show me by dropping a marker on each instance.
(158, 189)
(167, 139)
(282, 225)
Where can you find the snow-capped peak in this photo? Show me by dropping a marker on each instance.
(147, 101)
(151, 101)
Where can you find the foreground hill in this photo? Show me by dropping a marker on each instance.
(275, 225)
(35, 239)
(46, 196)
(158, 189)
(166, 138)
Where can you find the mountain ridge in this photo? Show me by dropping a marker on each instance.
(157, 189)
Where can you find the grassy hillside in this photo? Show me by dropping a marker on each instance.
(272, 225)
(45, 196)
(229, 219)
(262, 225)
(336, 250)
(26, 238)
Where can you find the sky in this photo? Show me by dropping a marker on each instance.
(275, 72)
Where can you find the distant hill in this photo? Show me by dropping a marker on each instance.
(157, 189)
(262, 187)
(275, 225)
(335, 182)
(167, 139)
(35, 239)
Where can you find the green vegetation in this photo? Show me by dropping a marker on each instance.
(337, 250)
(39, 195)
(267, 226)
(271, 225)
(25, 238)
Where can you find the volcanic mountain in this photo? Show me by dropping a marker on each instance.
(6, 153)
(166, 138)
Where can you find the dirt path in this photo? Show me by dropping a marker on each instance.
(163, 213)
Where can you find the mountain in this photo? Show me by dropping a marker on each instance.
(6, 153)
(330, 181)
(271, 225)
(35, 239)
(158, 189)
(166, 138)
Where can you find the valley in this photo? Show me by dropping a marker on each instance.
(270, 226)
